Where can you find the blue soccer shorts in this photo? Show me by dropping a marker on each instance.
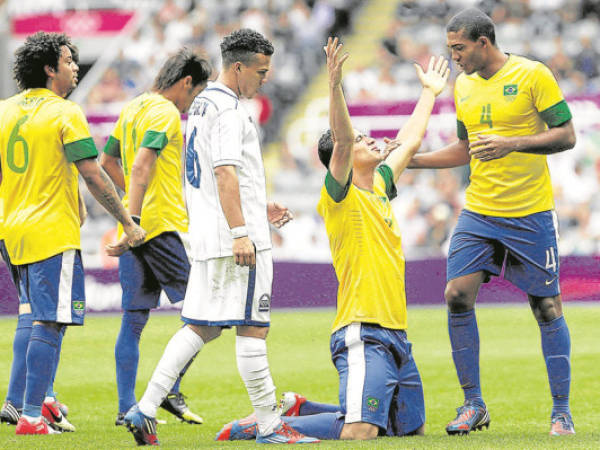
(379, 380)
(527, 246)
(55, 288)
(159, 264)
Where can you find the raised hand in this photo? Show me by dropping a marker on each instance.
(335, 60)
(436, 76)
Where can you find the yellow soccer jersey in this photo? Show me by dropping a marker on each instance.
(366, 250)
(521, 99)
(152, 121)
(42, 135)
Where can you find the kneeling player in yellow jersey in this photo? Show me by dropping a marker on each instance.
(510, 114)
(380, 387)
(148, 141)
(44, 143)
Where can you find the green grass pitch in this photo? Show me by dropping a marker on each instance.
(512, 370)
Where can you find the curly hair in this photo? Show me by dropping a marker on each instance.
(39, 50)
(180, 65)
(325, 148)
(242, 45)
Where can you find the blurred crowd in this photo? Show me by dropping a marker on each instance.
(564, 34)
(297, 29)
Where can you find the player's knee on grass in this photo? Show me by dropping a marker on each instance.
(359, 431)
(545, 309)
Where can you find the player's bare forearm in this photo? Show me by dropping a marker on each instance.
(553, 140)
(82, 209)
(103, 190)
(140, 178)
(411, 134)
(339, 117)
(453, 155)
(229, 195)
(113, 168)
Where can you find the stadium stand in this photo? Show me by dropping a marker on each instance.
(388, 36)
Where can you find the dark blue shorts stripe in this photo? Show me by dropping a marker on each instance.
(224, 323)
(250, 293)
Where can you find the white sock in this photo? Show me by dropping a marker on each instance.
(181, 348)
(253, 366)
(32, 419)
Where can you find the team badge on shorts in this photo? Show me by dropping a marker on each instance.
(372, 404)
(78, 307)
(264, 303)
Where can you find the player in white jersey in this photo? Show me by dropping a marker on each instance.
(231, 274)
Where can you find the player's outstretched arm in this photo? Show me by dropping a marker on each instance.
(229, 196)
(411, 134)
(112, 167)
(339, 117)
(104, 192)
(452, 155)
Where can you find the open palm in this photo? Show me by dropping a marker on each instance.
(436, 76)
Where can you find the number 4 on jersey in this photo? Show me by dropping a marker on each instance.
(486, 115)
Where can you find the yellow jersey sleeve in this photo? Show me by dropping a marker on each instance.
(461, 130)
(113, 144)
(77, 141)
(160, 127)
(548, 98)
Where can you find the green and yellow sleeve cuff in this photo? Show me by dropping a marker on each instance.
(557, 114)
(82, 149)
(388, 176)
(461, 131)
(335, 190)
(156, 140)
(113, 147)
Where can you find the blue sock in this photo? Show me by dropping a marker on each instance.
(175, 388)
(464, 339)
(556, 346)
(50, 391)
(127, 355)
(309, 408)
(18, 371)
(40, 361)
(321, 426)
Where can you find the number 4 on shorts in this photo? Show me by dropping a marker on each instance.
(550, 259)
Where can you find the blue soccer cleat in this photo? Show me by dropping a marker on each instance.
(469, 417)
(239, 430)
(562, 424)
(285, 434)
(141, 426)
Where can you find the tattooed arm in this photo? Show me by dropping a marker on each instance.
(103, 190)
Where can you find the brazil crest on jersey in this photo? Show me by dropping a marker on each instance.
(152, 121)
(521, 99)
(41, 136)
(366, 250)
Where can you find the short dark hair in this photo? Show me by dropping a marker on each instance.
(242, 45)
(476, 23)
(39, 50)
(180, 65)
(325, 148)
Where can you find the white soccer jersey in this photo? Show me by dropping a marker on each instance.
(221, 132)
